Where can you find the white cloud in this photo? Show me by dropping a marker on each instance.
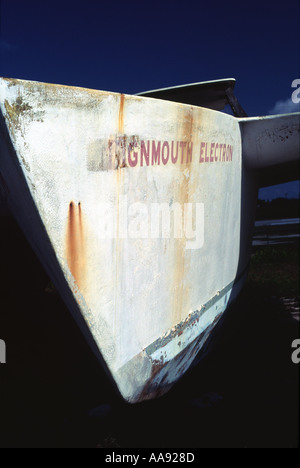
(284, 107)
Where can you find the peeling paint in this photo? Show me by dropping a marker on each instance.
(16, 110)
(19, 110)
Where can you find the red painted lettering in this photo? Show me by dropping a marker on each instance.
(211, 158)
(206, 155)
(145, 152)
(189, 154)
(220, 151)
(165, 152)
(182, 145)
(201, 152)
(132, 160)
(216, 157)
(155, 153)
(224, 153)
(174, 158)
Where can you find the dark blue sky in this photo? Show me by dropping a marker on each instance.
(132, 46)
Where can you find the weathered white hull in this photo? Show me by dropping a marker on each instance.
(87, 175)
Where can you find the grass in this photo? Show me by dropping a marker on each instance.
(274, 270)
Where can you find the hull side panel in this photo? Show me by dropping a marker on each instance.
(134, 207)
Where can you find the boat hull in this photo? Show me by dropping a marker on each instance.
(140, 211)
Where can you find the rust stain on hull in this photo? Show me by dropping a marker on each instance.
(121, 114)
(75, 243)
(185, 191)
